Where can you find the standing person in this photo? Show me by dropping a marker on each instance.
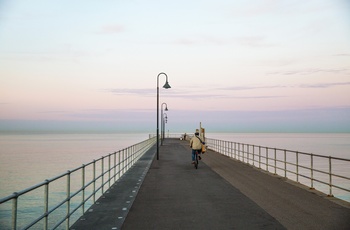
(196, 145)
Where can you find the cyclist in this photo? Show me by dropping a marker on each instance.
(196, 145)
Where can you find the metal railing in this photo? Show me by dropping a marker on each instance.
(57, 209)
(168, 135)
(325, 173)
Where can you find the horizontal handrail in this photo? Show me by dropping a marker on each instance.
(102, 177)
(275, 160)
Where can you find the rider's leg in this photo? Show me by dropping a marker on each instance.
(193, 155)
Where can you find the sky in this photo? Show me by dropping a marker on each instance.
(234, 66)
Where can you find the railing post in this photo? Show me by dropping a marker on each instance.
(243, 153)
(46, 203)
(239, 151)
(109, 170)
(227, 148)
(115, 165)
(83, 187)
(259, 157)
(14, 211)
(68, 200)
(267, 159)
(235, 150)
(330, 176)
(128, 158)
(248, 153)
(275, 163)
(102, 174)
(94, 184)
(297, 163)
(123, 160)
(132, 156)
(253, 155)
(119, 164)
(285, 163)
(224, 146)
(218, 146)
(312, 171)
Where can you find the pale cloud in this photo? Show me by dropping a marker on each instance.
(311, 71)
(64, 52)
(265, 8)
(324, 85)
(111, 29)
(271, 7)
(240, 88)
(250, 41)
(195, 93)
(314, 85)
(109, 114)
(203, 40)
(185, 41)
(150, 92)
(342, 55)
(254, 41)
(127, 91)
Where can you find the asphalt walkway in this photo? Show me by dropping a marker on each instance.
(221, 194)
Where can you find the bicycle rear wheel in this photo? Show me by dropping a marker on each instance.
(196, 161)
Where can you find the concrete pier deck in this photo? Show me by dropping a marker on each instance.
(221, 194)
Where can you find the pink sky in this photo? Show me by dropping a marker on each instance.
(235, 66)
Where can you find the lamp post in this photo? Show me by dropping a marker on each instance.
(166, 86)
(165, 120)
(161, 122)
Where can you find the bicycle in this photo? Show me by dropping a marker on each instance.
(196, 159)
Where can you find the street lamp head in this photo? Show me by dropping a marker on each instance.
(166, 85)
(166, 108)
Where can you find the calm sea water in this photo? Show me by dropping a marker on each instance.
(26, 160)
(29, 159)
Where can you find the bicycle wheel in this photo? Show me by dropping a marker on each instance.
(196, 162)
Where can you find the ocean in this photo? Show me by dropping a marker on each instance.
(29, 159)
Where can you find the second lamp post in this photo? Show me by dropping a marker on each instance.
(166, 86)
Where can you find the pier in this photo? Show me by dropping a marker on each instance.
(222, 193)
